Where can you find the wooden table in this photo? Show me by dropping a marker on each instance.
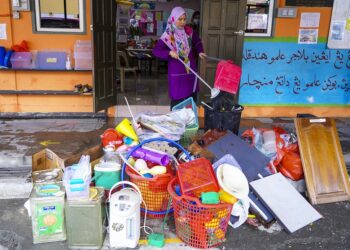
(142, 55)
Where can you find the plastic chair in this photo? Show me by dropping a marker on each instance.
(121, 55)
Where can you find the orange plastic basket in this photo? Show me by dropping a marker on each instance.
(199, 225)
(196, 177)
(154, 191)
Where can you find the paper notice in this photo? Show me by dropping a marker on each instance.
(310, 20)
(337, 30)
(3, 35)
(257, 21)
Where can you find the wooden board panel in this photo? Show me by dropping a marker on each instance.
(31, 103)
(323, 162)
(7, 80)
(51, 80)
(285, 202)
(8, 103)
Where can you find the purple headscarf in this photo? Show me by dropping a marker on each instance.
(177, 39)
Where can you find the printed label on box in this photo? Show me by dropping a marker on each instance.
(50, 219)
(51, 60)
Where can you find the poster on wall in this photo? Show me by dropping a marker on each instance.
(308, 36)
(339, 30)
(291, 74)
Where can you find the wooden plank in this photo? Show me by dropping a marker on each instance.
(270, 111)
(47, 103)
(7, 81)
(325, 172)
(51, 80)
(8, 103)
(41, 92)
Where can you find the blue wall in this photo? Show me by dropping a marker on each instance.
(286, 73)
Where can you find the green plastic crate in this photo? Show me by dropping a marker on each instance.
(186, 139)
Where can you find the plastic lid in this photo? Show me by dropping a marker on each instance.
(48, 190)
(107, 167)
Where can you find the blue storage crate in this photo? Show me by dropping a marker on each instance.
(191, 130)
(188, 103)
(51, 60)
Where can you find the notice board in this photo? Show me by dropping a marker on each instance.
(339, 31)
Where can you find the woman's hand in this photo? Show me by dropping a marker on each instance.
(174, 55)
(202, 55)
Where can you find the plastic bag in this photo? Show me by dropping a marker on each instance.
(291, 166)
(155, 125)
(287, 158)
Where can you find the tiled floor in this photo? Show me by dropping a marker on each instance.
(146, 90)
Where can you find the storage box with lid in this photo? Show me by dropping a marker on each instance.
(51, 60)
(83, 55)
(85, 221)
(21, 60)
(47, 212)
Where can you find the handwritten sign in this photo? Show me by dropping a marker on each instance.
(277, 73)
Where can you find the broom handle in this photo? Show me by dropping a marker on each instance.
(200, 78)
(214, 58)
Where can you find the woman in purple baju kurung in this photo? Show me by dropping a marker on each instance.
(179, 40)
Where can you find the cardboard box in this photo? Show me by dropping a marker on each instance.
(47, 159)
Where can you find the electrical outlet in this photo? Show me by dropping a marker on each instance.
(287, 12)
(15, 15)
(20, 5)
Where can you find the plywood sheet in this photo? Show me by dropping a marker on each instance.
(289, 207)
(323, 162)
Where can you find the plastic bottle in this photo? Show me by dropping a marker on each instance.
(68, 63)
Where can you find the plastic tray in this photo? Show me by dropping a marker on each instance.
(196, 177)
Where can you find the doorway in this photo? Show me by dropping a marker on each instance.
(221, 22)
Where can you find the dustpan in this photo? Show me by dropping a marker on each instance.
(228, 75)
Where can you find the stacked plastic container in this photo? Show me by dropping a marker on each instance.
(51, 60)
(83, 55)
(21, 60)
(77, 179)
(192, 129)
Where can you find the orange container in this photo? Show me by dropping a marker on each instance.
(196, 177)
(199, 225)
(154, 191)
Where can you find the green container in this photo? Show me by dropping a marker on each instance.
(106, 174)
(190, 132)
(47, 212)
(85, 222)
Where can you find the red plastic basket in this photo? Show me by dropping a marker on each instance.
(196, 177)
(199, 225)
(154, 191)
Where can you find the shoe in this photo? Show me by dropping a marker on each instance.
(87, 88)
(78, 88)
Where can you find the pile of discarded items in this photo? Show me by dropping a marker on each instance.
(162, 167)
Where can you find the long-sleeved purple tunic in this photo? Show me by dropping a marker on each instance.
(181, 83)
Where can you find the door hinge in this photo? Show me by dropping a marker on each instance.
(91, 27)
